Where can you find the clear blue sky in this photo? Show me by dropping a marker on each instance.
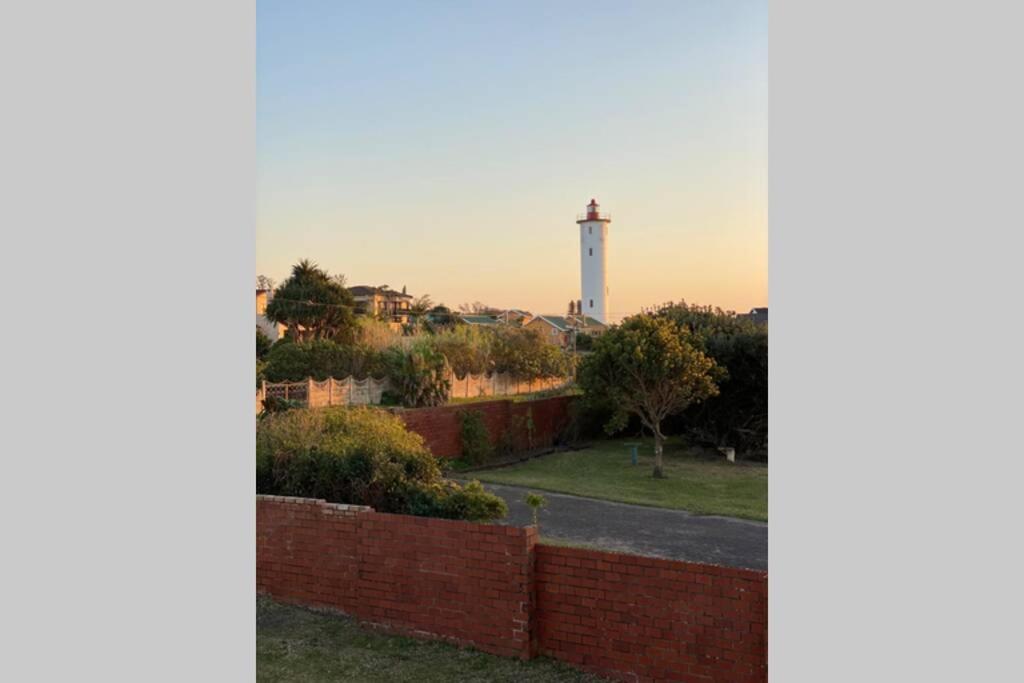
(448, 147)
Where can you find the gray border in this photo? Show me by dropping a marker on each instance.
(128, 175)
(894, 201)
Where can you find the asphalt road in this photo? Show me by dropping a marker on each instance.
(656, 532)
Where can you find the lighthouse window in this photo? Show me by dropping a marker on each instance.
(591, 303)
(591, 251)
(590, 229)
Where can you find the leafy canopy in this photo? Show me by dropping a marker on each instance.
(313, 304)
(647, 366)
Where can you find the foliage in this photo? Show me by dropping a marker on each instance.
(536, 502)
(738, 415)
(277, 404)
(261, 376)
(420, 305)
(476, 442)
(584, 341)
(419, 377)
(375, 334)
(467, 348)
(647, 366)
(313, 305)
(361, 456)
(524, 353)
(320, 359)
(263, 343)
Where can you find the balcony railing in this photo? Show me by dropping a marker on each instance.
(599, 216)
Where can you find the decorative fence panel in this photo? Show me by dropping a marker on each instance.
(352, 391)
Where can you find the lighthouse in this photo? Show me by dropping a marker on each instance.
(594, 262)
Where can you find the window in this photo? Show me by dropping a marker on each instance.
(591, 303)
(590, 229)
(591, 251)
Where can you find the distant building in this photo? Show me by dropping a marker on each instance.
(273, 330)
(382, 302)
(757, 315)
(484, 320)
(557, 329)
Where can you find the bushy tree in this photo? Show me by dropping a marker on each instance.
(263, 343)
(738, 415)
(524, 353)
(295, 361)
(313, 305)
(418, 377)
(467, 348)
(362, 456)
(648, 367)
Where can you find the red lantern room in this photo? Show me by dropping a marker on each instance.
(593, 210)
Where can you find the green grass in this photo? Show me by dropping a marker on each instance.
(700, 485)
(295, 644)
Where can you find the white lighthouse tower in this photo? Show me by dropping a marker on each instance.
(594, 262)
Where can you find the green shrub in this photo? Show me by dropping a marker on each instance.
(476, 442)
(263, 343)
(418, 377)
(320, 359)
(276, 404)
(361, 456)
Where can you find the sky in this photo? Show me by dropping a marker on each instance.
(448, 146)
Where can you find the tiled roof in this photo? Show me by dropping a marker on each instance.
(364, 290)
(479, 319)
(562, 323)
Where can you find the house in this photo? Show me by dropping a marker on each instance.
(480, 320)
(757, 315)
(273, 330)
(557, 329)
(383, 303)
(515, 316)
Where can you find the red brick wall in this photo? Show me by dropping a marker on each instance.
(493, 587)
(456, 581)
(440, 427)
(640, 618)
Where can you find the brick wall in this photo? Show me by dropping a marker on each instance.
(440, 427)
(640, 618)
(466, 583)
(495, 588)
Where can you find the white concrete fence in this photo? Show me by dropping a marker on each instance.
(352, 391)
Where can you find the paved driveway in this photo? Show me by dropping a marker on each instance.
(640, 530)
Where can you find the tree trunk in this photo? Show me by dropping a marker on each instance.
(659, 443)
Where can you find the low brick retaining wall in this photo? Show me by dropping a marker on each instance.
(441, 428)
(495, 588)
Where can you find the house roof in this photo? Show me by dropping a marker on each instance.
(561, 323)
(758, 315)
(365, 290)
(479, 319)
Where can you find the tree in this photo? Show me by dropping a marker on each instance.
(264, 282)
(263, 343)
(738, 415)
(478, 308)
(421, 305)
(312, 304)
(648, 367)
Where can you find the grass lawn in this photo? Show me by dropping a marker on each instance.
(711, 487)
(295, 644)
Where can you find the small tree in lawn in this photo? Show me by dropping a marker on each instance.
(647, 367)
